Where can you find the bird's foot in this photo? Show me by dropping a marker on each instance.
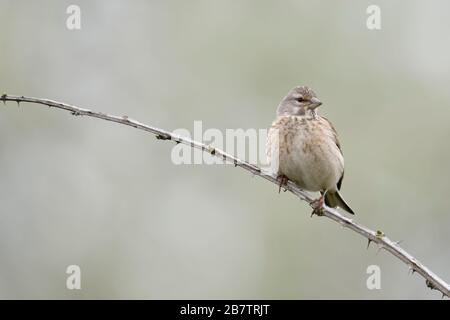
(283, 182)
(317, 206)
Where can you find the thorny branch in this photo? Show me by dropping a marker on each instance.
(378, 237)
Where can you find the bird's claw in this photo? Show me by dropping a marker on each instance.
(318, 212)
(283, 182)
(317, 205)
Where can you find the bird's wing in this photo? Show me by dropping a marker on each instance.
(339, 184)
(335, 135)
(338, 144)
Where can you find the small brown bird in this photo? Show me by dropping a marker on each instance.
(303, 147)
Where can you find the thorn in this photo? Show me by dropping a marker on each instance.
(76, 113)
(368, 243)
(235, 163)
(125, 118)
(18, 103)
(411, 270)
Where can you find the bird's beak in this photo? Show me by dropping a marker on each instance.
(315, 103)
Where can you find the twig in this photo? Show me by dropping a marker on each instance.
(378, 237)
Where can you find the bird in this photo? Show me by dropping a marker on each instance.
(303, 147)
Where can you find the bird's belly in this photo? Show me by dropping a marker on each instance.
(313, 164)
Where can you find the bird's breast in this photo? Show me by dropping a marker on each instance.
(307, 152)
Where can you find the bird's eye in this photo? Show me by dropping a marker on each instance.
(300, 99)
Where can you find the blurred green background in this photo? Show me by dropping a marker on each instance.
(108, 198)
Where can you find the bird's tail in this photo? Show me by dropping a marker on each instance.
(334, 199)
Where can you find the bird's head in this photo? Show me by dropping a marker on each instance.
(298, 102)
